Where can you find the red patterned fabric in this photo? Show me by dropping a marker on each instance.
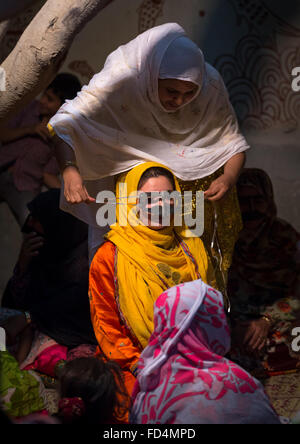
(69, 408)
(47, 360)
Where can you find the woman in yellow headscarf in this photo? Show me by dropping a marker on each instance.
(138, 262)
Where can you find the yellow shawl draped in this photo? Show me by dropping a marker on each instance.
(150, 261)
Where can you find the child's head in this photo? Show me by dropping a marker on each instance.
(100, 386)
(64, 86)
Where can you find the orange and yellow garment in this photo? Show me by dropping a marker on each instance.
(128, 274)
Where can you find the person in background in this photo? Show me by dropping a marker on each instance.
(156, 99)
(50, 280)
(138, 262)
(92, 392)
(27, 160)
(264, 281)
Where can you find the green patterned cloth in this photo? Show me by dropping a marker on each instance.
(21, 391)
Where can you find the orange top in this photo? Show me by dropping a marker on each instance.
(114, 338)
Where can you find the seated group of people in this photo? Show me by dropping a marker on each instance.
(149, 310)
(142, 333)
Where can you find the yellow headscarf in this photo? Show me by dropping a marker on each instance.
(150, 261)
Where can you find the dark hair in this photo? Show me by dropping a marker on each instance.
(65, 86)
(101, 387)
(156, 172)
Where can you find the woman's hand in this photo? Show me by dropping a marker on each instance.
(40, 129)
(75, 191)
(218, 188)
(252, 335)
(232, 168)
(30, 248)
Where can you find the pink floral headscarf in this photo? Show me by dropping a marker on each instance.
(183, 376)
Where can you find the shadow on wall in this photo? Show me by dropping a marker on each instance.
(254, 44)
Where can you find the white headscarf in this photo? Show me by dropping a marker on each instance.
(117, 121)
(183, 60)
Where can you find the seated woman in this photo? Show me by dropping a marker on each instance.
(264, 282)
(137, 263)
(50, 280)
(183, 376)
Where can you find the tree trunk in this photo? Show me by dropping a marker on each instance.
(12, 28)
(42, 48)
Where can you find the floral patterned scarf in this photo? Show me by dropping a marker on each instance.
(183, 376)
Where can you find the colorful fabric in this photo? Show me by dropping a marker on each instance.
(71, 408)
(31, 156)
(114, 338)
(21, 392)
(222, 224)
(284, 392)
(115, 341)
(150, 261)
(264, 278)
(45, 353)
(48, 360)
(117, 121)
(40, 343)
(81, 351)
(183, 376)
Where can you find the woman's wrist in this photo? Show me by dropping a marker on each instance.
(69, 170)
(230, 179)
(234, 166)
(71, 164)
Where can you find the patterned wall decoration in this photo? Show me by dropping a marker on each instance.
(82, 68)
(258, 75)
(148, 13)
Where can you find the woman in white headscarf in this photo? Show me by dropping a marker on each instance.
(155, 100)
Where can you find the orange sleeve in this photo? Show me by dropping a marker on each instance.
(113, 337)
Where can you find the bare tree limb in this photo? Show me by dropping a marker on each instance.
(43, 46)
(12, 29)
